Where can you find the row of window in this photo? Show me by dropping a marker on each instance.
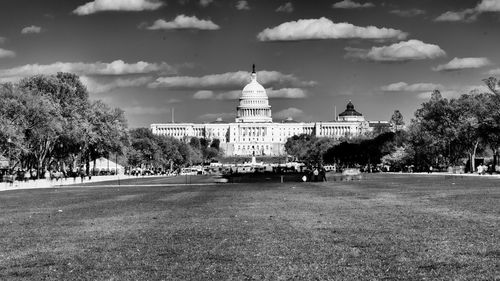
(251, 147)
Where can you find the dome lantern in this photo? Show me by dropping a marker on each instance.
(350, 114)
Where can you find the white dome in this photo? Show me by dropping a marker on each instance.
(254, 90)
(254, 103)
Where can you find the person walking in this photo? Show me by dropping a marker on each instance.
(322, 174)
(82, 174)
(315, 174)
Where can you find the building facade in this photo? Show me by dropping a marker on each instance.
(255, 134)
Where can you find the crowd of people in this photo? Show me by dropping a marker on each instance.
(25, 175)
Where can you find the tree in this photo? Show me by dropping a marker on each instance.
(436, 96)
(195, 143)
(210, 153)
(433, 132)
(317, 149)
(49, 119)
(44, 125)
(397, 121)
(298, 146)
(106, 132)
(170, 152)
(145, 147)
(472, 111)
(215, 144)
(493, 84)
(68, 92)
(491, 124)
(398, 158)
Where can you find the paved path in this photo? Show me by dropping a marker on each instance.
(45, 183)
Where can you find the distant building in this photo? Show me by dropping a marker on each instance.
(254, 133)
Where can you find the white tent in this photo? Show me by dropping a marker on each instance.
(103, 164)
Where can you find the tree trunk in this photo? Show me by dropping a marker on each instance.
(473, 156)
(495, 159)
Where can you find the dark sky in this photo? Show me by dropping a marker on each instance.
(148, 56)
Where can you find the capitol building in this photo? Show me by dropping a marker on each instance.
(253, 133)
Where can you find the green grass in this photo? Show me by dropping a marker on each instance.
(382, 227)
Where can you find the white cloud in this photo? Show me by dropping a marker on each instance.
(184, 22)
(7, 53)
(408, 13)
(2, 40)
(31, 29)
(204, 95)
(349, 4)
(488, 6)
(323, 28)
(469, 15)
(208, 117)
(285, 8)
(205, 3)
(455, 92)
(146, 110)
(463, 63)
(117, 5)
(398, 52)
(287, 93)
(405, 87)
(95, 86)
(229, 80)
(242, 5)
(466, 15)
(289, 112)
(211, 95)
(229, 95)
(445, 94)
(117, 67)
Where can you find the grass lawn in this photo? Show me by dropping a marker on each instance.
(382, 227)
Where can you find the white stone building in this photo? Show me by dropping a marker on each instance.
(254, 133)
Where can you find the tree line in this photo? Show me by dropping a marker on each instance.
(48, 122)
(156, 151)
(443, 133)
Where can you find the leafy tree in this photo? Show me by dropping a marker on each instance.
(493, 84)
(397, 121)
(297, 146)
(68, 92)
(317, 149)
(434, 130)
(44, 125)
(210, 153)
(215, 144)
(472, 110)
(195, 143)
(364, 151)
(398, 158)
(171, 155)
(144, 146)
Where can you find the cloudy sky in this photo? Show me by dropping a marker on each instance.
(149, 56)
